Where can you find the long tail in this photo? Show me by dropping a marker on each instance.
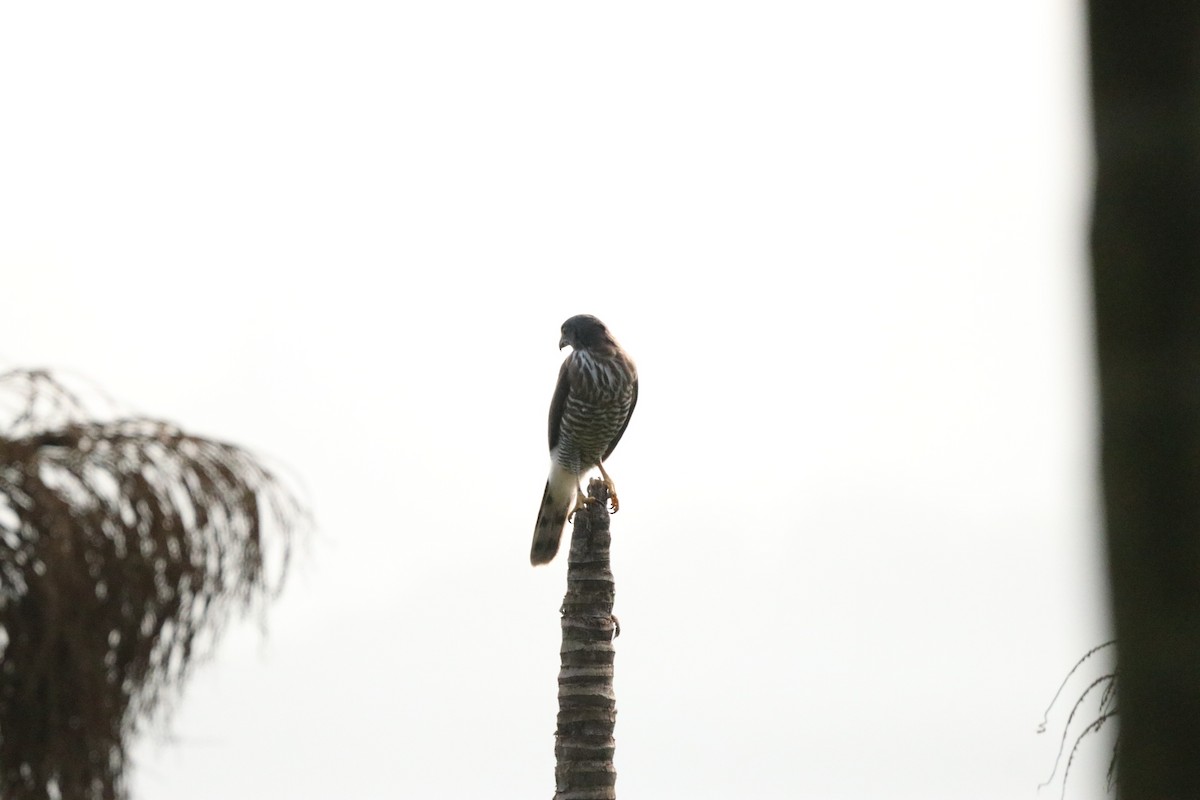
(552, 516)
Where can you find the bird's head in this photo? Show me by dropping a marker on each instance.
(583, 331)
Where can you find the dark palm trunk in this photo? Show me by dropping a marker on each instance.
(587, 706)
(1145, 58)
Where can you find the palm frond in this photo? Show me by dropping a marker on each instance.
(1106, 711)
(125, 545)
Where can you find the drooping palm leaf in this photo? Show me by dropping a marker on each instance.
(124, 547)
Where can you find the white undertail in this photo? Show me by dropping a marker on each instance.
(557, 499)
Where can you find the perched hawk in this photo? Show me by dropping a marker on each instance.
(593, 401)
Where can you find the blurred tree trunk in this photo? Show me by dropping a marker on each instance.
(1145, 72)
(587, 706)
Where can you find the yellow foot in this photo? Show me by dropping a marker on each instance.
(612, 495)
(612, 489)
(581, 500)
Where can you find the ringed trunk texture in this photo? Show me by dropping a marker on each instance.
(587, 707)
(1145, 59)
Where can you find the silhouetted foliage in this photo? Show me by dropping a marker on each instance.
(124, 547)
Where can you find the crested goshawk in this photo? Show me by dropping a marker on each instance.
(593, 401)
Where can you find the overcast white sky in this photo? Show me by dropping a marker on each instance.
(857, 547)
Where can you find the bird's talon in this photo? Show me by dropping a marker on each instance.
(580, 501)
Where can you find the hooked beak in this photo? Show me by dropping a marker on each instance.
(562, 343)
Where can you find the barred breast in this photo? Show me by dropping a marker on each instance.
(596, 410)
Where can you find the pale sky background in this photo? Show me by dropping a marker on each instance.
(858, 545)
